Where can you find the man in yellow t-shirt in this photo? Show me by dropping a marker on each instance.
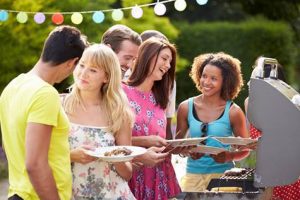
(34, 126)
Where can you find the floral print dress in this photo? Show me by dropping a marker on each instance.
(159, 182)
(96, 180)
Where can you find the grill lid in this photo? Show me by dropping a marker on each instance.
(272, 111)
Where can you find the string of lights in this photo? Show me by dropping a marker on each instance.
(98, 16)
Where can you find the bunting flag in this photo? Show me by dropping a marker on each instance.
(98, 16)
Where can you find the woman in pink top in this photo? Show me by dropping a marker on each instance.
(147, 90)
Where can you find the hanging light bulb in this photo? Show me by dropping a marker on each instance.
(202, 2)
(3, 15)
(180, 5)
(57, 18)
(39, 18)
(22, 17)
(117, 14)
(98, 17)
(137, 12)
(160, 9)
(76, 18)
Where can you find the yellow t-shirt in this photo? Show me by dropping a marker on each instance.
(26, 99)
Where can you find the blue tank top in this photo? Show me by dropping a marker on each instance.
(221, 128)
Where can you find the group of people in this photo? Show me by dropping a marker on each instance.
(123, 94)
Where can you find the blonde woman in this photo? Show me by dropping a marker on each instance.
(100, 116)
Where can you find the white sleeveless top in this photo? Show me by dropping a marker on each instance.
(96, 180)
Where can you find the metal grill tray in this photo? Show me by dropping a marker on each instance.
(244, 181)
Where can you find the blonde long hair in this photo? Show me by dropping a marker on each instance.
(114, 100)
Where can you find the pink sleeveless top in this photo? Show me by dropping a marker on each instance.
(158, 182)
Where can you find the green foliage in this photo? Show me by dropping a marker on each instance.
(275, 10)
(240, 10)
(214, 10)
(245, 41)
(3, 170)
(249, 161)
(3, 165)
(22, 43)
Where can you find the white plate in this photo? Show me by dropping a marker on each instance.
(235, 140)
(186, 141)
(99, 153)
(207, 150)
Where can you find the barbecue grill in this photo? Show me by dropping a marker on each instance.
(272, 111)
(244, 181)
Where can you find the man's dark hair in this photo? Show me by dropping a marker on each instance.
(116, 34)
(153, 33)
(63, 43)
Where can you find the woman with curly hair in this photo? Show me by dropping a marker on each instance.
(218, 77)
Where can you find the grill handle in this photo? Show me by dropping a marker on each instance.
(260, 65)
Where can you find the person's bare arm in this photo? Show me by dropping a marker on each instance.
(181, 131)
(38, 138)
(124, 169)
(80, 155)
(149, 141)
(152, 157)
(182, 120)
(238, 121)
(246, 104)
(239, 126)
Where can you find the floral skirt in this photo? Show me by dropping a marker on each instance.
(155, 183)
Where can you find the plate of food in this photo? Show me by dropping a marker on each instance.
(236, 140)
(186, 142)
(117, 153)
(208, 150)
